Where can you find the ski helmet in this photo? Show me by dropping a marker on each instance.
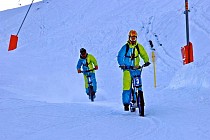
(132, 33)
(132, 37)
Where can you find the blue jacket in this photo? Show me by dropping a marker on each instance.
(87, 63)
(125, 59)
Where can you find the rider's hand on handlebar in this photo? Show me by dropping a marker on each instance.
(122, 67)
(96, 67)
(137, 67)
(79, 71)
(147, 64)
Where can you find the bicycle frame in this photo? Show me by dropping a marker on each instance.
(135, 84)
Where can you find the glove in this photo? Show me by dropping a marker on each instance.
(79, 71)
(96, 67)
(122, 67)
(137, 67)
(147, 64)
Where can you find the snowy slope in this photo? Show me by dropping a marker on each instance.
(42, 96)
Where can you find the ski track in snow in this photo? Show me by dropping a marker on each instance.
(201, 15)
(151, 35)
(86, 118)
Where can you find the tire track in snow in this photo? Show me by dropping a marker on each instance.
(151, 35)
(144, 126)
(198, 15)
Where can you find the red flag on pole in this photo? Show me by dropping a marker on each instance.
(14, 38)
(187, 53)
(13, 42)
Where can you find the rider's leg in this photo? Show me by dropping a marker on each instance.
(86, 84)
(126, 99)
(126, 95)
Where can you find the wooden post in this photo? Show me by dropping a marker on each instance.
(154, 66)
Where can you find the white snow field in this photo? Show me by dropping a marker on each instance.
(42, 97)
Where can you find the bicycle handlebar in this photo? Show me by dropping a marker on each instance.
(132, 67)
(88, 70)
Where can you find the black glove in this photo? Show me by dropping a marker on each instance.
(123, 67)
(147, 64)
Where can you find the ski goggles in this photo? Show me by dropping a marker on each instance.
(133, 38)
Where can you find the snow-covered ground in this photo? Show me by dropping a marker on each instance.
(43, 97)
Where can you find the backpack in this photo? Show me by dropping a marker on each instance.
(127, 48)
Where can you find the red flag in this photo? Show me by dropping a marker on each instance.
(187, 53)
(13, 42)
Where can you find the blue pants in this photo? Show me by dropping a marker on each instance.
(94, 83)
(126, 95)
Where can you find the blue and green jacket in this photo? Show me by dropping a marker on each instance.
(125, 58)
(87, 63)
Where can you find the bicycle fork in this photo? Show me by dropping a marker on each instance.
(137, 96)
(90, 88)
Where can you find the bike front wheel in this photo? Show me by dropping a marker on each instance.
(91, 94)
(140, 103)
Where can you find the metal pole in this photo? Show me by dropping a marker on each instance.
(25, 17)
(187, 21)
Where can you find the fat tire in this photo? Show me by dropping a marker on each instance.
(91, 93)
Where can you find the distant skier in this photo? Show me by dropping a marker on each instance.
(129, 55)
(88, 62)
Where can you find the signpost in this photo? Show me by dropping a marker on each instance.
(153, 61)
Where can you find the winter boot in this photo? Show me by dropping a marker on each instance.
(94, 95)
(126, 107)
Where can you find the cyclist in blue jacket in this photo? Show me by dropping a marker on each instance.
(88, 62)
(129, 55)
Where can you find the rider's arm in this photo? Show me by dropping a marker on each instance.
(79, 64)
(143, 53)
(93, 60)
(121, 56)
